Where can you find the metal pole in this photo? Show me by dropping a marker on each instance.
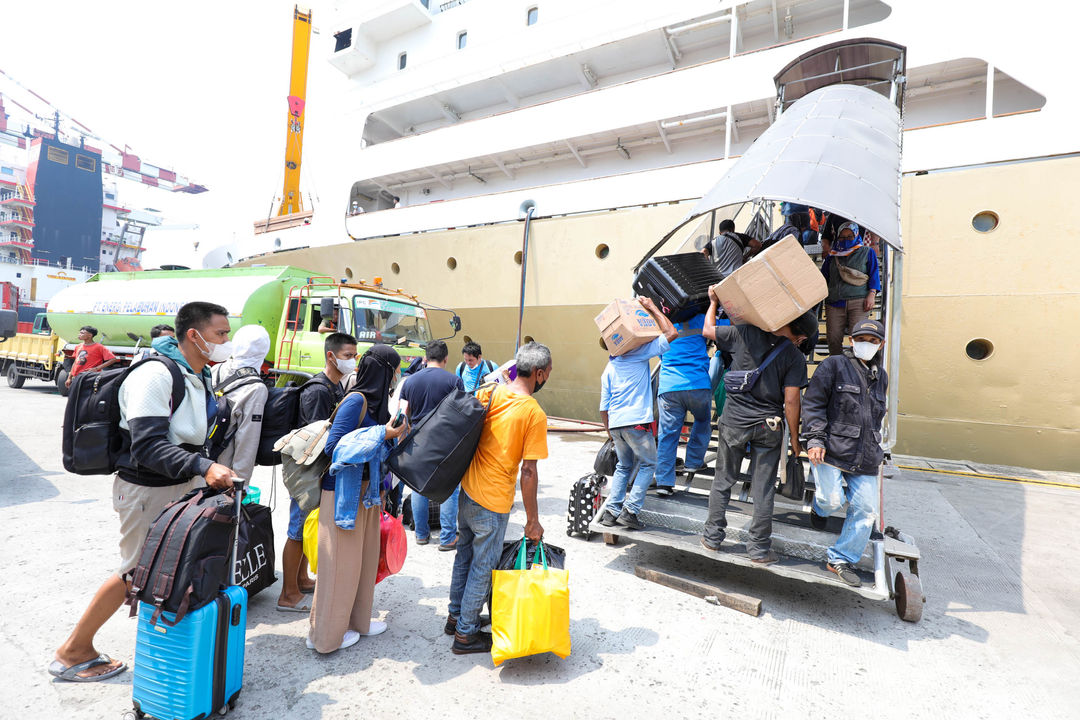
(524, 265)
(896, 276)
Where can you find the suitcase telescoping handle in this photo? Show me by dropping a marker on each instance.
(238, 489)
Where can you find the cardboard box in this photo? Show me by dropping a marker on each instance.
(625, 325)
(774, 288)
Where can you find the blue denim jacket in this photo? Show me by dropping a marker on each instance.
(357, 449)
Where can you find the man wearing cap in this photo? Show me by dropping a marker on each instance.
(851, 272)
(753, 416)
(842, 412)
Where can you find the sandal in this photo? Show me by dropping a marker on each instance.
(71, 672)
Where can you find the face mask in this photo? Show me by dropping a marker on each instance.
(215, 352)
(865, 350)
(539, 385)
(345, 367)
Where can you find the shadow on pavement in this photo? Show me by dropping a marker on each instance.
(22, 480)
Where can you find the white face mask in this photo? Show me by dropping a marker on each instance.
(865, 350)
(345, 367)
(216, 352)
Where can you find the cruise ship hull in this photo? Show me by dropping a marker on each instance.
(1010, 287)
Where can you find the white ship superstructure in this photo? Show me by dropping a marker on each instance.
(610, 116)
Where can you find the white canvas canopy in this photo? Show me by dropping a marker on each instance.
(837, 149)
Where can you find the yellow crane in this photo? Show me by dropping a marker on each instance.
(291, 200)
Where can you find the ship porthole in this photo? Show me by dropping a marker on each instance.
(348, 272)
(985, 221)
(602, 251)
(451, 262)
(527, 339)
(517, 257)
(603, 345)
(229, 257)
(277, 242)
(466, 339)
(979, 349)
(395, 268)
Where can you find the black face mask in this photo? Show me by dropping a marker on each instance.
(539, 385)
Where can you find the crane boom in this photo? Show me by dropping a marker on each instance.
(291, 200)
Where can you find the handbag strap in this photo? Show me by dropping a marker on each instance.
(772, 355)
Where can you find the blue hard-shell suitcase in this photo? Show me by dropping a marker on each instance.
(195, 668)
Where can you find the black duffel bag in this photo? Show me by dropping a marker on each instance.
(435, 454)
(254, 570)
(185, 560)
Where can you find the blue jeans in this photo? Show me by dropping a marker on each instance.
(447, 517)
(631, 446)
(862, 499)
(673, 409)
(480, 542)
(296, 521)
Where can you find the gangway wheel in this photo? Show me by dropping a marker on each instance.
(909, 596)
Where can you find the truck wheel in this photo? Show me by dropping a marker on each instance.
(61, 379)
(14, 379)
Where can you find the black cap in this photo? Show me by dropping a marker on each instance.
(806, 324)
(869, 327)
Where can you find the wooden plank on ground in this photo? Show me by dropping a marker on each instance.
(735, 601)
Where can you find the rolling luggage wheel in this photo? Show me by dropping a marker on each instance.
(909, 597)
(133, 715)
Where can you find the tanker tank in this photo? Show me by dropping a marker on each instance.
(118, 303)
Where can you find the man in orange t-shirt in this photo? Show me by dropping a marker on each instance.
(515, 433)
(89, 355)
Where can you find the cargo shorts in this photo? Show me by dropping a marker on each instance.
(138, 507)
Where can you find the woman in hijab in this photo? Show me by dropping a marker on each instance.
(238, 380)
(349, 509)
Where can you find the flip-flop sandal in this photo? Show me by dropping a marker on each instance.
(71, 673)
(304, 606)
(308, 591)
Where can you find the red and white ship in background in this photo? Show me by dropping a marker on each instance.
(61, 219)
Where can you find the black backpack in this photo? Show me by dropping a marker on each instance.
(435, 454)
(92, 439)
(187, 557)
(281, 414)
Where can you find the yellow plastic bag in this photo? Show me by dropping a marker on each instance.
(311, 539)
(530, 610)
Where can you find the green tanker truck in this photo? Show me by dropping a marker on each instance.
(291, 303)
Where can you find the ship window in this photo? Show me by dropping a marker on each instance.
(343, 40)
(85, 163)
(402, 59)
(602, 251)
(6, 171)
(395, 268)
(979, 349)
(57, 155)
(110, 196)
(985, 221)
(462, 39)
(531, 16)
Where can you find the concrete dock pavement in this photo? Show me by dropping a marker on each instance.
(999, 638)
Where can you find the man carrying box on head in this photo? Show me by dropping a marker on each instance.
(627, 410)
(752, 416)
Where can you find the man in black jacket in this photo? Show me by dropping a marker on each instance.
(842, 413)
(162, 458)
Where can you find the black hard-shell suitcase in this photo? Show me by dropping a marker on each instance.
(678, 284)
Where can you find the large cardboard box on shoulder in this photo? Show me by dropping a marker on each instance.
(773, 288)
(625, 325)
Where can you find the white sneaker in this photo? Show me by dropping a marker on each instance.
(375, 628)
(351, 638)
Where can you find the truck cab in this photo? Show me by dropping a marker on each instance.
(369, 313)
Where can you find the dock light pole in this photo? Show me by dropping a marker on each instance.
(525, 210)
